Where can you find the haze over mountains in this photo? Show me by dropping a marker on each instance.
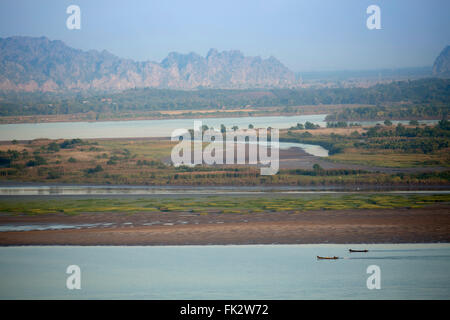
(39, 64)
(441, 67)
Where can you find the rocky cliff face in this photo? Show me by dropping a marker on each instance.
(441, 67)
(39, 64)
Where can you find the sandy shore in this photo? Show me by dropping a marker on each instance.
(430, 224)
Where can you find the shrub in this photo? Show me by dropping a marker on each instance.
(53, 147)
(40, 160)
(31, 163)
(53, 174)
(310, 126)
(98, 168)
(68, 144)
(5, 160)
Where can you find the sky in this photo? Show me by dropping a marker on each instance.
(305, 35)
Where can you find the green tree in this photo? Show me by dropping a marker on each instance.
(310, 126)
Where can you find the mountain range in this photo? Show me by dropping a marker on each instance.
(441, 67)
(40, 64)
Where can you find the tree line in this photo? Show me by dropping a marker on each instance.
(426, 96)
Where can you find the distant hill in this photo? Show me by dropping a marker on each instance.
(411, 73)
(441, 67)
(39, 64)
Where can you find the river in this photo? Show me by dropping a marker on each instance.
(153, 128)
(57, 190)
(407, 271)
(141, 128)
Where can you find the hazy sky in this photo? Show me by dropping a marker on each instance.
(304, 35)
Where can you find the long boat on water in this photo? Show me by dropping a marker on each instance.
(351, 250)
(327, 258)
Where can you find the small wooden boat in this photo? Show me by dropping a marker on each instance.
(328, 258)
(351, 250)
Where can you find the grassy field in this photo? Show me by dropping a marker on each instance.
(103, 161)
(218, 204)
(343, 144)
(392, 158)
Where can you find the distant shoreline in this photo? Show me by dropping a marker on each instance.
(178, 114)
(32, 120)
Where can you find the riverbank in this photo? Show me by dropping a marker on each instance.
(401, 225)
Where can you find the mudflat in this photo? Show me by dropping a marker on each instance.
(430, 224)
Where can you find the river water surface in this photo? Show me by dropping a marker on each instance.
(414, 271)
(141, 128)
(153, 128)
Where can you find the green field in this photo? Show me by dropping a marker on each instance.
(221, 205)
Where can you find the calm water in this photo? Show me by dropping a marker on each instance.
(140, 128)
(311, 149)
(415, 271)
(125, 190)
(50, 226)
(153, 128)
